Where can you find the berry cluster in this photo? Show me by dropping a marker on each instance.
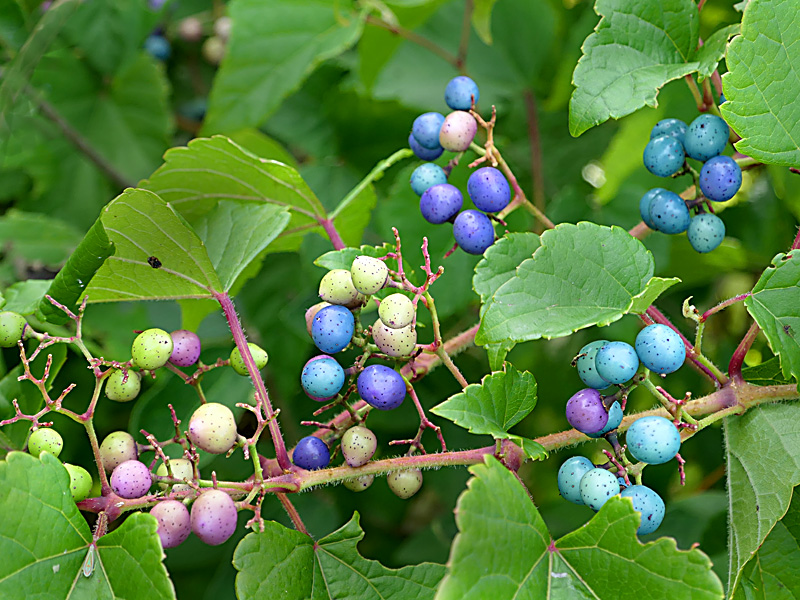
(671, 142)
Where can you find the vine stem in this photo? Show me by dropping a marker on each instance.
(333, 234)
(292, 512)
(466, 28)
(722, 305)
(737, 360)
(441, 352)
(415, 38)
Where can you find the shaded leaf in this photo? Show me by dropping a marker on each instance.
(482, 19)
(21, 238)
(767, 373)
(24, 297)
(713, 50)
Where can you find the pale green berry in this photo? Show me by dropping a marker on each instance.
(337, 287)
(11, 327)
(406, 483)
(312, 312)
(358, 445)
(397, 311)
(151, 349)
(213, 428)
(80, 482)
(45, 440)
(116, 448)
(123, 385)
(369, 274)
(259, 355)
(394, 342)
(359, 484)
(181, 469)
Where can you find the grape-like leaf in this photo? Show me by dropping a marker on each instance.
(24, 297)
(602, 559)
(713, 50)
(343, 259)
(767, 373)
(500, 262)
(762, 83)
(482, 19)
(331, 568)
(21, 238)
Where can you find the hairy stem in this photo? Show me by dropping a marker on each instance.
(333, 234)
(737, 360)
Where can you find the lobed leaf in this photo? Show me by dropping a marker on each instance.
(713, 50)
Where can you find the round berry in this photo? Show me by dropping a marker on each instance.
(649, 504)
(660, 349)
(182, 468)
(653, 440)
(705, 232)
(12, 326)
(473, 231)
(322, 377)
(190, 29)
(151, 349)
(460, 93)
(213, 50)
(212, 428)
(664, 155)
(311, 453)
(586, 367)
(213, 517)
(669, 214)
(131, 479)
(158, 47)
(369, 274)
(123, 385)
(671, 127)
(440, 203)
(597, 486)
(426, 129)
(720, 178)
(260, 357)
(489, 190)
(425, 176)
(646, 202)
(406, 483)
(381, 387)
(332, 329)
(585, 411)
(359, 484)
(185, 348)
(312, 312)
(397, 311)
(117, 447)
(394, 342)
(458, 131)
(174, 523)
(569, 477)
(80, 482)
(616, 362)
(614, 420)
(421, 152)
(358, 445)
(45, 439)
(222, 27)
(337, 287)
(706, 137)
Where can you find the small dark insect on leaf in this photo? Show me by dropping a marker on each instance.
(154, 262)
(788, 330)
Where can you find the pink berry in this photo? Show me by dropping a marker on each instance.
(214, 517)
(185, 348)
(174, 523)
(131, 479)
(458, 131)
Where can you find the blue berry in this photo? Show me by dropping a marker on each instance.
(671, 127)
(459, 93)
(706, 232)
(381, 387)
(421, 152)
(158, 47)
(664, 155)
(440, 203)
(426, 129)
(720, 178)
(597, 486)
(586, 367)
(649, 504)
(646, 202)
(660, 349)
(489, 190)
(332, 328)
(311, 453)
(616, 362)
(614, 419)
(669, 213)
(425, 176)
(654, 440)
(569, 477)
(622, 483)
(706, 137)
(585, 411)
(322, 377)
(473, 231)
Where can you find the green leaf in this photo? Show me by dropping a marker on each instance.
(21, 238)
(608, 270)
(762, 453)
(343, 259)
(258, 143)
(767, 373)
(533, 450)
(636, 48)
(500, 262)
(497, 354)
(775, 305)
(713, 50)
(482, 19)
(289, 561)
(762, 83)
(127, 561)
(144, 229)
(602, 559)
(273, 47)
(24, 297)
(655, 287)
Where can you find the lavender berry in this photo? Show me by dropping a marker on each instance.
(440, 203)
(174, 522)
(426, 129)
(585, 411)
(421, 152)
(131, 479)
(213, 517)
(720, 178)
(489, 190)
(473, 231)
(381, 387)
(185, 348)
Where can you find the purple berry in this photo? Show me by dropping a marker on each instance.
(585, 411)
(381, 387)
(332, 329)
(311, 453)
(174, 522)
(185, 348)
(473, 231)
(720, 178)
(489, 190)
(131, 479)
(440, 203)
(426, 129)
(421, 152)
(213, 517)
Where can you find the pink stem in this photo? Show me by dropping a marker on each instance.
(737, 360)
(333, 234)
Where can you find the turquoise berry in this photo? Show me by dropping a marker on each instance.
(706, 137)
(705, 232)
(649, 504)
(616, 362)
(597, 486)
(660, 349)
(664, 155)
(614, 420)
(586, 365)
(645, 203)
(569, 477)
(653, 440)
(425, 176)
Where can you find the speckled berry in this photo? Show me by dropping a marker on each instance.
(616, 362)
(117, 447)
(569, 477)
(358, 446)
(614, 420)
(425, 129)
(131, 479)
(123, 385)
(369, 274)
(213, 517)
(260, 357)
(669, 214)
(597, 486)
(706, 137)
(654, 440)
(381, 387)
(359, 484)
(332, 329)
(489, 190)
(585, 411)
(671, 127)
(586, 367)
(705, 232)
(646, 202)
(458, 131)
(12, 326)
(312, 312)
(406, 483)
(422, 152)
(80, 482)
(322, 377)
(186, 348)
(212, 428)
(151, 349)
(460, 92)
(664, 155)
(425, 176)
(720, 178)
(174, 522)
(394, 342)
(440, 203)
(311, 453)
(397, 311)
(473, 231)
(45, 439)
(660, 349)
(648, 504)
(182, 468)
(337, 287)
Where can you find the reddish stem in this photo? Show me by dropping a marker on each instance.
(333, 234)
(722, 305)
(292, 512)
(737, 360)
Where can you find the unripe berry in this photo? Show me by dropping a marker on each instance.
(213, 50)
(337, 287)
(116, 448)
(397, 311)
(45, 440)
(597, 486)
(381, 387)
(213, 517)
(458, 131)
(131, 479)
(185, 348)
(151, 349)
(11, 327)
(394, 342)
(212, 428)
(222, 28)
(359, 484)
(123, 385)
(182, 468)
(358, 445)
(174, 522)
(406, 483)
(80, 482)
(260, 357)
(190, 29)
(368, 274)
(312, 312)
